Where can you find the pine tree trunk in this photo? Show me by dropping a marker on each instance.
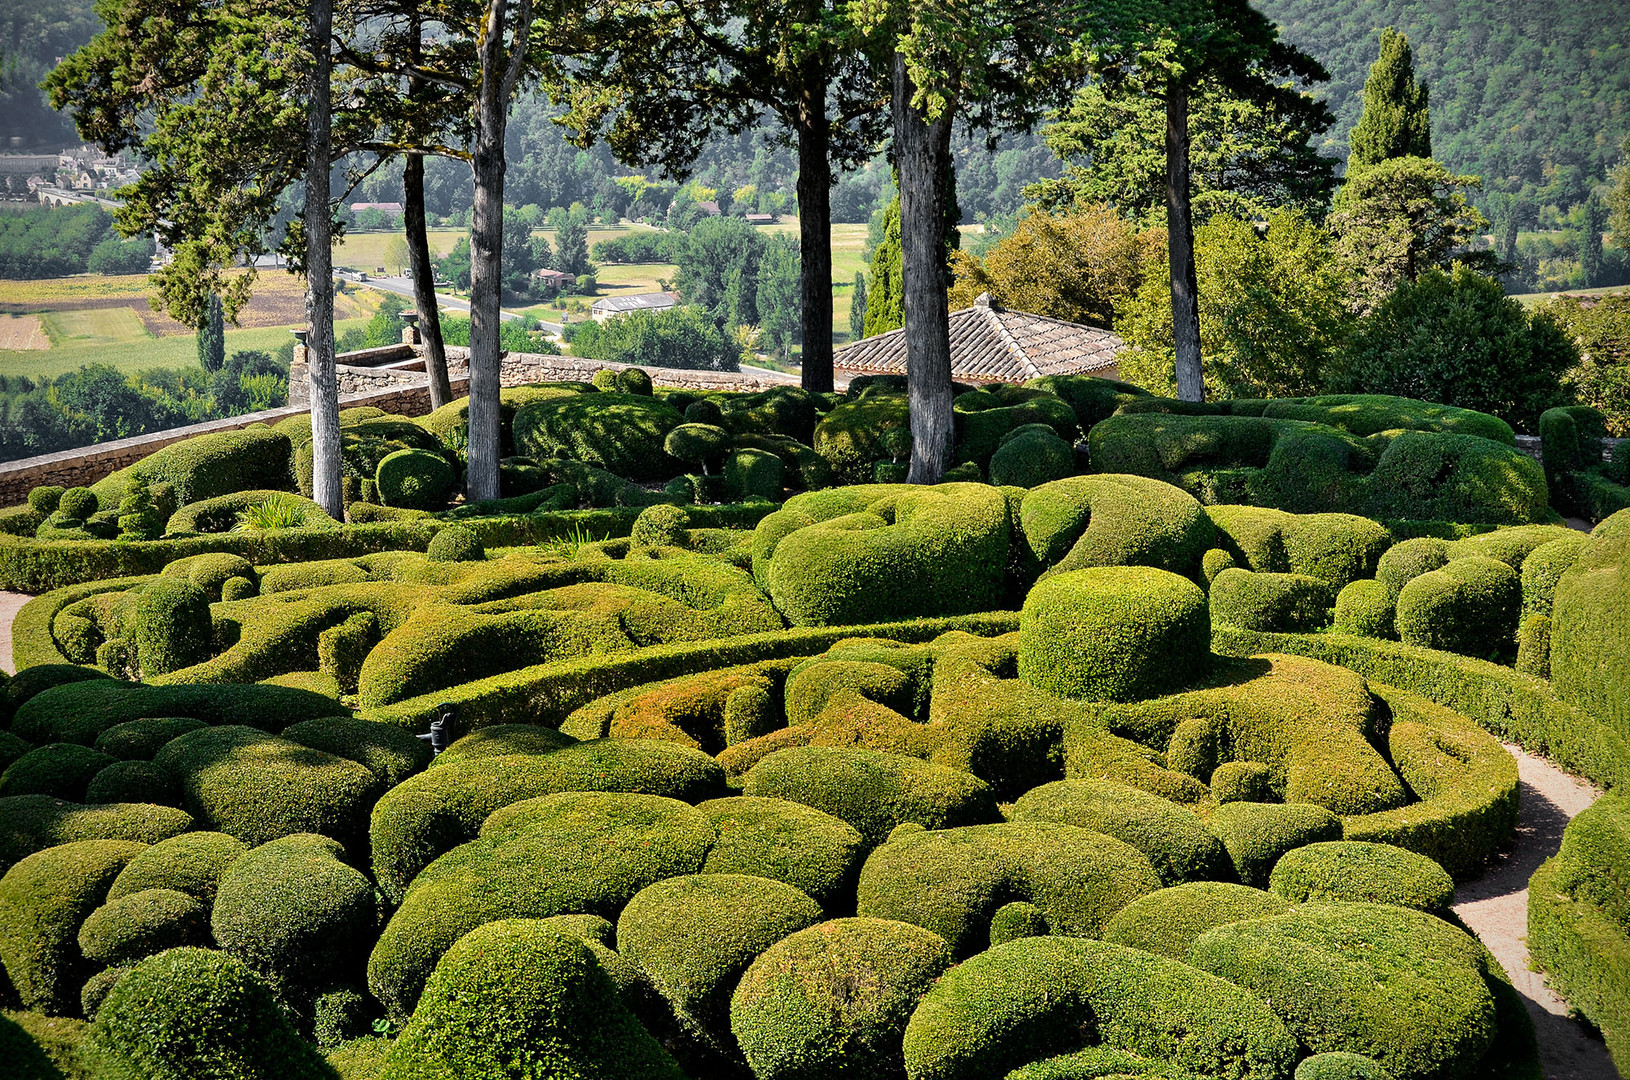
(922, 149)
(815, 229)
(424, 281)
(1191, 383)
(325, 391)
(486, 251)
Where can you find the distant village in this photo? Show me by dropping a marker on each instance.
(83, 174)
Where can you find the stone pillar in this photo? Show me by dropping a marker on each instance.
(410, 328)
(299, 378)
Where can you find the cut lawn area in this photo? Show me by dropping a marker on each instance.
(145, 352)
(93, 326)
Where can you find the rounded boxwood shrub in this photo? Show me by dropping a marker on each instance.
(1409, 559)
(1399, 986)
(751, 473)
(1174, 841)
(1215, 562)
(45, 499)
(141, 924)
(498, 740)
(662, 525)
(810, 850)
(1039, 997)
(1590, 638)
(1113, 520)
(211, 570)
(296, 914)
(446, 805)
(1271, 603)
(952, 881)
(97, 988)
(1470, 606)
(872, 791)
(701, 445)
(30, 823)
(1015, 920)
(190, 1013)
(1543, 569)
(1169, 921)
(1360, 871)
(1114, 633)
(622, 433)
(634, 381)
(455, 544)
(43, 900)
(238, 588)
(576, 852)
(171, 627)
(1030, 456)
(1366, 608)
(704, 411)
(191, 863)
(81, 711)
(385, 750)
(415, 480)
(133, 782)
(258, 787)
(694, 936)
(1241, 781)
(1258, 834)
(1340, 1066)
(519, 991)
(797, 1016)
(139, 740)
(77, 502)
(62, 770)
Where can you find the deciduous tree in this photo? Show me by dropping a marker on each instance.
(1080, 266)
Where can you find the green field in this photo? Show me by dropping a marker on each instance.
(146, 352)
(93, 326)
(1535, 299)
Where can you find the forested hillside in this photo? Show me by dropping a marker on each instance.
(33, 33)
(1532, 95)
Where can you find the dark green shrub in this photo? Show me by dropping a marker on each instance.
(31, 823)
(1174, 841)
(1215, 562)
(385, 750)
(342, 649)
(139, 740)
(498, 740)
(258, 787)
(1169, 921)
(295, 914)
(701, 445)
(1363, 872)
(576, 852)
(1242, 781)
(812, 851)
(221, 514)
(1396, 985)
(36, 1047)
(171, 628)
(1017, 919)
(796, 1015)
(1334, 548)
(415, 479)
(872, 791)
(81, 711)
(1408, 560)
(191, 863)
(661, 525)
(851, 436)
(694, 936)
(1542, 570)
(209, 466)
(455, 544)
(1590, 638)
(77, 502)
(516, 990)
(43, 900)
(754, 474)
(1282, 603)
(1367, 608)
(1471, 607)
(33, 680)
(45, 499)
(1534, 646)
(98, 986)
(340, 1016)
(1114, 633)
(634, 381)
(133, 782)
(143, 923)
(880, 553)
(1370, 414)
(704, 411)
(62, 770)
(1031, 456)
(212, 570)
(1035, 998)
(1090, 397)
(1340, 1066)
(445, 806)
(1258, 834)
(622, 433)
(952, 881)
(190, 1013)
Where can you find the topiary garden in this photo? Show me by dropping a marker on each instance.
(1161, 753)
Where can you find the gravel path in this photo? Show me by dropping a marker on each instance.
(1495, 906)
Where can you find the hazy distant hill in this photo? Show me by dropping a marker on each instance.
(1527, 93)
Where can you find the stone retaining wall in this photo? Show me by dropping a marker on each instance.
(390, 378)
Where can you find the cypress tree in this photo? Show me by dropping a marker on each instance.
(885, 305)
(1590, 244)
(857, 309)
(212, 336)
(1395, 121)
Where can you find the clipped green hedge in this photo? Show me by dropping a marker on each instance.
(1290, 603)
(81, 711)
(1369, 414)
(191, 863)
(140, 924)
(1335, 548)
(1590, 636)
(1175, 842)
(619, 432)
(1363, 872)
(1169, 921)
(796, 1015)
(952, 881)
(1113, 520)
(1039, 997)
(1470, 606)
(209, 466)
(1258, 835)
(31, 823)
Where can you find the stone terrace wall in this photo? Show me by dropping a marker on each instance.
(380, 380)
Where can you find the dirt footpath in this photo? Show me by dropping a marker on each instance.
(1495, 906)
(10, 604)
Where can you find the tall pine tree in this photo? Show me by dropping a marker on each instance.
(857, 308)
(885, 305)
(1395, 121)
(212, 335)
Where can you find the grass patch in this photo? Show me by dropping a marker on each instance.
(130, 357)
(93, 326)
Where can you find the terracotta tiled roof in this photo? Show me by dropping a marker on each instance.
(991, 344)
